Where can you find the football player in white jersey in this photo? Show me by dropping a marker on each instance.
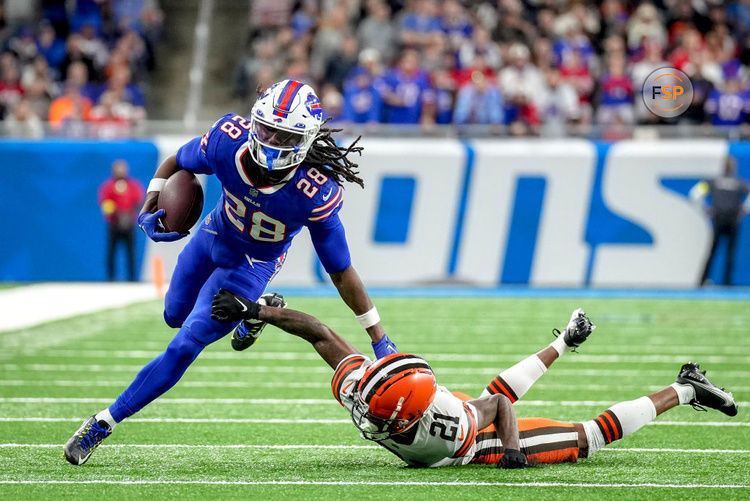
(396, 401)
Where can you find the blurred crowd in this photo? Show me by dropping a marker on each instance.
(523, 66)
(80, 64)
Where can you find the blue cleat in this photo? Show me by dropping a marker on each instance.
(83, 442)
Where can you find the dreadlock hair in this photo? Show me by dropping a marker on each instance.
(325, 154)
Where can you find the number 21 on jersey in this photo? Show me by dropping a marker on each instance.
(263, 227)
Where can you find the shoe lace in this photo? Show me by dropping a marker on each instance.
(92, 435)
(697, 406)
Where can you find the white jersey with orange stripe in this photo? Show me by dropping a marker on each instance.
(443, 436)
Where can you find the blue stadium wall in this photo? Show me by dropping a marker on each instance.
(570, 213)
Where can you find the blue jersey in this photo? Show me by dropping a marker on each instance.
(728, 108)
(261, 221)
(361, 104)
(410, 90)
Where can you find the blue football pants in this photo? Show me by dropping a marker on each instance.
(205, 265)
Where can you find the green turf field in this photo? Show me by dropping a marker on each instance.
(262, 424)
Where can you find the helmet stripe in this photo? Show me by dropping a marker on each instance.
(377, 371)
(287, 97)
(383, 374)
(391, 375)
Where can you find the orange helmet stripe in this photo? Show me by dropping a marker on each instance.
(385, 369)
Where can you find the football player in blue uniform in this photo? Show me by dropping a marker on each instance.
(280, 170)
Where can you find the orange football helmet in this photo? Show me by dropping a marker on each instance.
(393, 394)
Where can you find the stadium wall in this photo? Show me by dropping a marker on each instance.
(571, 213)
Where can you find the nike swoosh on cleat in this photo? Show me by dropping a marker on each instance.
(244, 306)
(325, 198)
(715, 391)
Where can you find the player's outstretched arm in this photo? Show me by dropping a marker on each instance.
(329, 239)
(353, 292)
(498, 410)
(229, 307)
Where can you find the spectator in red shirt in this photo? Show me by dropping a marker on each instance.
(120, 197)
(11, 91)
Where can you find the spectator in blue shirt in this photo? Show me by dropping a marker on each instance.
(455, 24)
(362, 102)
(403, 90)
(439, 98)
(479, 102)
(729, 106)
(50, 46)
(421, 25)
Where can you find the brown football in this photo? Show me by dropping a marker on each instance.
(182, 201)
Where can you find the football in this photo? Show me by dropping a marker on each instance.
(182, 201)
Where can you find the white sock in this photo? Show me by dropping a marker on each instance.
(106, 417)
(617, 422)
(559, 344)
(515, 381)
(685, 392)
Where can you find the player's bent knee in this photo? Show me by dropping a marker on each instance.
(183, 349)
(176, 312)
(173, 321)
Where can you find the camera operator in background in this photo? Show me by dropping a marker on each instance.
(725, 208)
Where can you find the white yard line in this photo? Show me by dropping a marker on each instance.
(264, 401)
(341, 446)
(88, 400)
(274, 401)
(297, 369)
(439, 357)
(39, 303)
(355, 483)
(385, 484)
(184, 420)
(31, 419)
(197, 446)
(107, 383)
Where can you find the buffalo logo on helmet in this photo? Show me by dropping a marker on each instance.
(313, 106)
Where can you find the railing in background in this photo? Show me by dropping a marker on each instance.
(153, 128)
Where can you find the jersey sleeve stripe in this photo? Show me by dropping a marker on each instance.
(341, 372)
(327, 214)
(339, 381)
(346, 366)
(470, 436)
(325, 207)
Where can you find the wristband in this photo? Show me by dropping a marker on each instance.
(156, 184)
(367, 320)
